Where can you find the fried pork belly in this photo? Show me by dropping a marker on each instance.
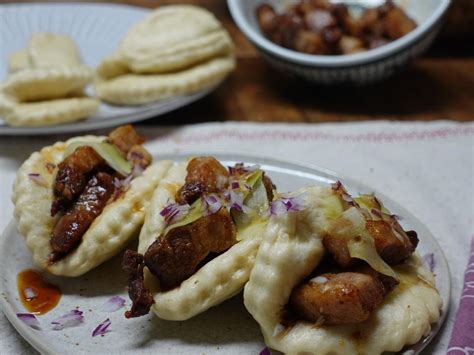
(133, 264)
(73, 174)
(124, 138)
(71, 227)
(204, 175)
(342, 298)
(177, 255)
(75, 170)
(392, 249)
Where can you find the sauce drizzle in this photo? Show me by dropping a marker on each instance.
(37, 295)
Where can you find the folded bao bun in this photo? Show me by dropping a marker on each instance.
(109, 232)
(219, 279)
(290, 250)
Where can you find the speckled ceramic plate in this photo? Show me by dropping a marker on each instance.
(227, 328)
(97, 30)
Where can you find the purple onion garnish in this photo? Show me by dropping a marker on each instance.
(174, 212)
(430, 261)
(71, 319)
(102, 328)
(265, 351)
(38, 179)
(287, 204)
(212, 204)
(113, 304)
(29, 319)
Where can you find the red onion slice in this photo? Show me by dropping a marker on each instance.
(287, 204)
(29, 319)
(265, 351)
(212, 204)
(102, 328)
(38, 179)
(430, 261)
(174, 212)
(113, 304)
(71, 319)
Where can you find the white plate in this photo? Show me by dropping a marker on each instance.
(97, 30)
(227, 328)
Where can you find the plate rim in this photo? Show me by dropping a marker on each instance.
(35, 341)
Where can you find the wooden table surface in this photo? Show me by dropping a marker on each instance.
(439, 85)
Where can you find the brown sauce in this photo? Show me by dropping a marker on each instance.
(37, 295)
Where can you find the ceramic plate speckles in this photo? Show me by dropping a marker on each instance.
(97, 30)
(227, 328)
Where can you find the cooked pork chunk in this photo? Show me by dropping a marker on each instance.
(204, 175)
(73, 174)
(75, 170)
(71, 227)
(124, 138)
(392, 249)
(133, 264)
(176, 256)
(344, 298)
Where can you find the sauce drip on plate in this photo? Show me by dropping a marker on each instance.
(37, 295)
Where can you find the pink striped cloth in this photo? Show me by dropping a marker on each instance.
(462, 337)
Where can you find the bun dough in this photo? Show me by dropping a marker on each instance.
(46, 112)
(48, 50)
(46, 84)
(138, 89)
(175, 50)
(218, 280)
(291, 249)
(173, 38)
(119, 222)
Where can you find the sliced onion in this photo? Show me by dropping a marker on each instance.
(30, 293)
(67, 320)
(38, 179)
(137, 170)
(113, 304)
(29, 319)
(265, 351)
(430, 261)
(212, 204)
(237, 202)
(174, 212)
(287, 204)
(235, 185)
(240, 168)
(102, 328)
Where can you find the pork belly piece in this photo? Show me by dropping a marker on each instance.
(267, 18)
(76, 169)
(343, 298)
(72, 226)
(392, 249)
(204, 175)
(73, 174)
(124, 138)
(139, 156)
(177, 255)
(133, 264)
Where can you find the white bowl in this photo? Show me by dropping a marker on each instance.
(360, 68)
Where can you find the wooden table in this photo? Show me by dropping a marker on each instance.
(440, 85)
